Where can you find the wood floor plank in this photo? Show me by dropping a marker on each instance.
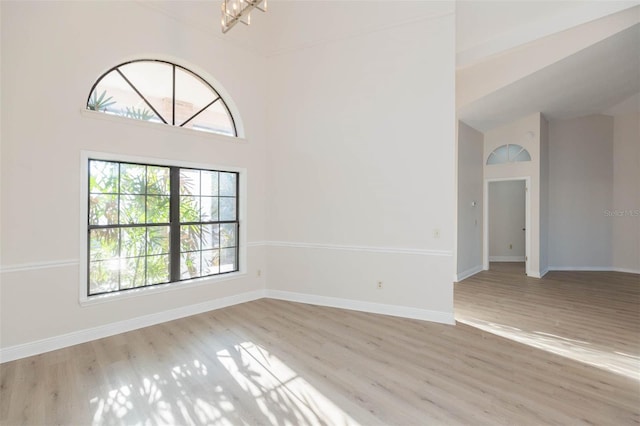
(564, 349)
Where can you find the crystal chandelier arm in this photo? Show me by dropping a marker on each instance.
(234, 11)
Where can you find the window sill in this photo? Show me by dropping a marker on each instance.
(159, 126)
(157, 289)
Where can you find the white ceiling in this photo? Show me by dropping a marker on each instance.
(485, 28)
(589, 81)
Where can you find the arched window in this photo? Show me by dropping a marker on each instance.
(163, 92)
(509, 153)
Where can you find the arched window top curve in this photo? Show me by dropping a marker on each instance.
(162, 92)
(509, 153)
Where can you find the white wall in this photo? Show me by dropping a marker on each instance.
(544, 195)
(470, 166)
(361, 187)
(52, 52)
(524, 132)
(361, 166)
(506, 221)
(580, 190)
(625, 209)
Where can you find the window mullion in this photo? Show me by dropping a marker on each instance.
(174, 212)
(173, 98)
(141, 96)
(201, 109)
(119, 229)
(237, 222)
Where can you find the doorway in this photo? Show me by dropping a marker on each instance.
(506, 220)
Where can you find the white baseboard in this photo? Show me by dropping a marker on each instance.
(358, 305)
(506, 258)
(594, 268)
(580, 268)
(469, 272)
(627, 270)
(57, 342)
(82, 336)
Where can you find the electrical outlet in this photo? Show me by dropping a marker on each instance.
(510, 246)
(259, 272)
(436, 233)
(379, 284)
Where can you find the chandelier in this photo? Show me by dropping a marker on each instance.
(234, 11)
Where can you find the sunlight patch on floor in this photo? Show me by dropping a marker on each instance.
(270, 380)
(210, 392)
(613, 361)
(161, 399)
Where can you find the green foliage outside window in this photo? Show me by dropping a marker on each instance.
(100, 102)
(130, 225)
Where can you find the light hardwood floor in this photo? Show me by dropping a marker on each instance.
(561, 350)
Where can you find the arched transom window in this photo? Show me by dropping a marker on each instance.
(162, 92)
(509, 153)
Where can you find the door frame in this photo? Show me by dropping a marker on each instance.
(527, 220)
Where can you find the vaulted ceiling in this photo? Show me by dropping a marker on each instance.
(561, 58)
(574, 59)
(589, 81)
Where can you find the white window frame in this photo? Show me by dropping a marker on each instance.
(84, 298)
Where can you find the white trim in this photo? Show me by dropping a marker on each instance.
(456, 206)
(32, 266)
(82, 336)
(57, 342)
(83, 298)
(157, 161)
(468, 273)
(580, 268)
(527, 213)
(594, 268)
(159, 288)
(358, 305)
(218, 137)
(626, 270)
(506, 258)
(388, 250)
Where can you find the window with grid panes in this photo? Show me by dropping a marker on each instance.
(151, 224)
